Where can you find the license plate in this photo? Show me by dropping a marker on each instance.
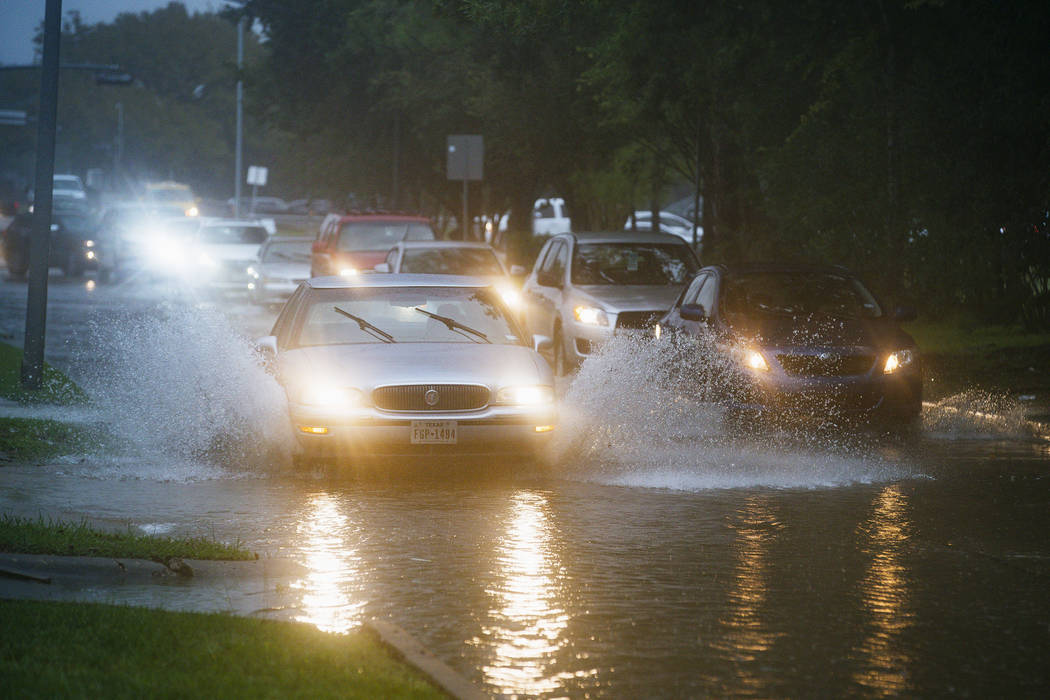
(433, 432)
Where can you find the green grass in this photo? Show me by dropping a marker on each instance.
(27, 536)
(89, 650)
(963, 337)
(55, 387)
(35, 439)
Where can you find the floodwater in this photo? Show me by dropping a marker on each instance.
(659, 557)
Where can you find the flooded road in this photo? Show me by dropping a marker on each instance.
(659, 557)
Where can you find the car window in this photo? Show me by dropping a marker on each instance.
(393, 310)
(451, 261)
(230, 234)
(552, 256)
(545, 252)
(632, 263)
(381, 235)
(287, 252)
(694, 288)
(706, 297)
(791, 293)
(544, 211)
(282, 327)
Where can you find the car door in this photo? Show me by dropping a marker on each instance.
(673, 321)
(540, 296)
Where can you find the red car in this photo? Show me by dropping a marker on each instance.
(360, 241)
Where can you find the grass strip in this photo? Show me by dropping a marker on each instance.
(34, 439)
(40, 536)
(55, 387)
(93, 650)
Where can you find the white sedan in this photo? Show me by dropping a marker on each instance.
(409, 365)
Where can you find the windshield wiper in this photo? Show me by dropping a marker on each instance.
(366, 326)
(453, 324)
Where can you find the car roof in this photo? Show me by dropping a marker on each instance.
(346, 218)
(475, 245)
(405, 280)
(625, 237)
(752, 267)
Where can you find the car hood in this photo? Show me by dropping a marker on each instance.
(821, 331)
(285, 270)
(619, 298)
(232, 251)
(368, 365)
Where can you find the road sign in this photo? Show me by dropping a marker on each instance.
(466, 154)
(257, 175)
(12, 117)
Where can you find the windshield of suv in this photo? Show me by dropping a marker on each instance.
(798, 293)
(395, 310)
(288, 251)
(233, 234)
(381, 235)
(632, 263)
(451, 261)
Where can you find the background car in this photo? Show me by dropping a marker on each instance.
(414, 365)
(284, 264)
(172, 194)
(267, 205)
(75, 243)
(354, 242)
(584, 286)
(669, 223)
(803, 340)
(222, 251)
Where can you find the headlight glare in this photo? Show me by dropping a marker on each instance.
(898, 360)
(751, 359)
(324, 395)
(591, 315)
(525, 395)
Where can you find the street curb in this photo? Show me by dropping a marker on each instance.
(415, 654)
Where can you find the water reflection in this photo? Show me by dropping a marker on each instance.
(747, 635)
(884, 597)
(528, 622)
(334, 565)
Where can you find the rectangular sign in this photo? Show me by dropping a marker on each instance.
(466, 156)
(434, 432)
(257, 175)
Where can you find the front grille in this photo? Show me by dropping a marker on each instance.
(826, 365)
(638, 319)
(412, 397)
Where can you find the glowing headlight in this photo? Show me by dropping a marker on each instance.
(89, 244)
(90, 255)
(253, 273)
(657, 331)
(511, 297)
(591, 316)
(193, 211)
(327, 396)
(751, 359)
(348, 272)
(897, 360)
(206, 260)
(525, 395)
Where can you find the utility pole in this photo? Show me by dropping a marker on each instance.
(238, 158)
(40, 244)
(118, 151)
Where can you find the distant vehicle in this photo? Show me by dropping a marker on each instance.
(310, 207)
(802, 339)
(584, 286)
(454, 258)
(349, 243)
(284, 263)
(550, 215)
(267, 205)
(69, 186)
(669, 223)
(421, 366)
(75, 244)
(223, 250)
(173, 194)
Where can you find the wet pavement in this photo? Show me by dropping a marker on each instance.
(659, 558)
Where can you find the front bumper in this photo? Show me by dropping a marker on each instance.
(499, 431)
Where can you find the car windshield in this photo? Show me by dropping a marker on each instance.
(451, 261)
(798, 293)
(233, 234)
(381, 235)
(68, 183)
(395, 312)
(632, 263)
(170, 195)
(288, 251)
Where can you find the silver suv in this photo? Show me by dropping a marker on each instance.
(585, 286)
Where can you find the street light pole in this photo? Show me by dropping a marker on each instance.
(238, 166)
(40, 243)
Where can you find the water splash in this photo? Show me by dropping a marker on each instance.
(977, 414)
(649, 414)
(181, 392)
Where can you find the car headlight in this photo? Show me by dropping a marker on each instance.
(89, 244)
(750, 358)
(511, 297)
(253, 273)
(525, 395)
(591, 315)
(324, 395)
(657, 331)
(898, 360)
(193, 211)
(206, 260)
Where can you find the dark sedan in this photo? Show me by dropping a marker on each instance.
(74, 243)
(803, 340)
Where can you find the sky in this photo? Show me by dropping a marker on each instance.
(19, 19)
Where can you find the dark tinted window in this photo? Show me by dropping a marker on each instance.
(381, 235)
(451, 261)
(632, 263)
(798, 293)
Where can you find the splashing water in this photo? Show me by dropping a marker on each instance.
(181, 392)
(977, 414)
(641, 413)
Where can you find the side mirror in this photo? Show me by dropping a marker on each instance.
(692, 312)
(905, 313)
(541, 343)
(518, 271)
(382, 267)
(546, 278)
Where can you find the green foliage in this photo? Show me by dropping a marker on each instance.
(34, 439)
(91, 650)
(55, 387)
(40, 536)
